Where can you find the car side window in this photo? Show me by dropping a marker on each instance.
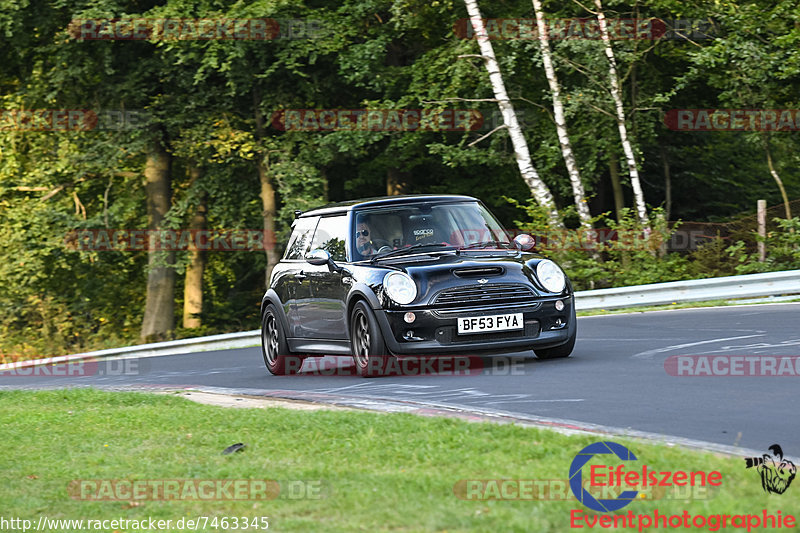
(331, 235)
(299, 242)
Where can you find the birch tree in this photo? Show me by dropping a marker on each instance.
(778, 180)
(616, 94)
(538, 188)
(561, 124)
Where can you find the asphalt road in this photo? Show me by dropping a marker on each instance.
(615, 377)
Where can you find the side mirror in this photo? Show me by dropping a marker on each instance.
(524, 242)
(318, 257)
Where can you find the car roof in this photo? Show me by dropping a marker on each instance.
(380, 201)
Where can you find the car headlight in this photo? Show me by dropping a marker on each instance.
(400, 287)
(550, 276)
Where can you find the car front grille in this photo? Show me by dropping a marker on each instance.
(494, 294)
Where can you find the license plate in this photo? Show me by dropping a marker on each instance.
(489, 324)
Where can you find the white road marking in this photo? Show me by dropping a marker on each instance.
(650, 353)
(368, 386)
(755, 346)
(437, 393)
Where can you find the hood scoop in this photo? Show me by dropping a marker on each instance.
(478, 272)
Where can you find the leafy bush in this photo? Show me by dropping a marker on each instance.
(630, 256)
(783, 250)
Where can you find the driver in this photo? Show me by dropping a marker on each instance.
(364, 243)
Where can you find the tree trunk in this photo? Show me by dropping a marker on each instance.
(667, 182)
(326, 191)
(537, 187)
(269, 210)
(561, 123)
(396, 182)
(634, 84)
(778, 180)
(616, 185)
(619, 200)
(616, 93)
(159, 311)
(193, 283)
(268, 197)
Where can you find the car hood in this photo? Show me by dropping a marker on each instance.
(473, 270)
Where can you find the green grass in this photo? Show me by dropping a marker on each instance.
(379, 472)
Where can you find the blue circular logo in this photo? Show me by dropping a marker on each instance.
(576, 477)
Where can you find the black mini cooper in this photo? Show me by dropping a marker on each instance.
(416, 276)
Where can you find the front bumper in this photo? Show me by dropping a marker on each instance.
(435, 332)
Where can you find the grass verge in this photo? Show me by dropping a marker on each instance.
(375, 472)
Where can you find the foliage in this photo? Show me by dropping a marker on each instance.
(632, 258)
(783, 248)
(212, 103)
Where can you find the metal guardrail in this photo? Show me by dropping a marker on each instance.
(241, 339)
(697, 290)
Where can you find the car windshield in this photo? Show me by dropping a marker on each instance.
(446, 226)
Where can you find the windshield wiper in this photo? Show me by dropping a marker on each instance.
(484, 244)
(403, 251)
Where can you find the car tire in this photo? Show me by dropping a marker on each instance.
(370, 354)
(557, 352)
(274, 348)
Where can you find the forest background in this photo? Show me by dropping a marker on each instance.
(109, 124)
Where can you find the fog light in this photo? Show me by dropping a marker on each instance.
(559, 305)
(409, 317)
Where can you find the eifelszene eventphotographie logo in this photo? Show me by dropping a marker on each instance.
(625, 481)
(776, 472)
(576, 477)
